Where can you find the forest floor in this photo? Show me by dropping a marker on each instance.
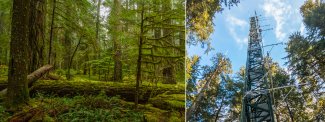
(86, 99)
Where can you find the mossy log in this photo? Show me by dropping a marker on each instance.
(125, 90)
(169, 101)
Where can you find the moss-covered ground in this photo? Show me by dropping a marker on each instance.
(163, 103)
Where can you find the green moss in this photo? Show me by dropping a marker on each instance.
(169, 102)
(80, 86)
(176, 117)
(41, 118)
(172, 104)
(99, 105)
(3, 114)
(175, 104)
(3, 79)
(3, 70)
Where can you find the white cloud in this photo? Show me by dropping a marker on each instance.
(241, 41)
(302, 28)
(236, 28)
(281, 12)
(235, 21)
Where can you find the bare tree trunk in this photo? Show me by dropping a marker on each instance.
(117, 41)
(71, 59)
(97, 25)
(36, 34)
(67, 46)
(139, 57)
(51, 33)
(219, 109)
(18, 69)
(200, 95)
(290, 112)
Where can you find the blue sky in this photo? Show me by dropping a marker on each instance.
(231, 30)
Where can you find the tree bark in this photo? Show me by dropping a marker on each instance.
(71, 59)
(51, 32)
(219, 109)
(116, 40)
(38, 74)
(36, 34)
(18, 69)
(139, 58)
(97, 25)
(290, 112)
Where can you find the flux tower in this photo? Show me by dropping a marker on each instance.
(256, 104)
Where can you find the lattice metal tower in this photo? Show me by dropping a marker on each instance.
(257, 106)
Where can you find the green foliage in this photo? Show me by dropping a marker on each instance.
(306, 60)
(99, 108)
(3, 114)
(199, 16)
(60, 72)
(213, 92)
(96, 108)
(192, 75)
(86, 114)
(314, 21)
(306, 56)
(236, 88)
(3, 70)
(5, 19)
(86, 108)
(63, 72)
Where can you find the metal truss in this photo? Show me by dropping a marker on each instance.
(257, 106)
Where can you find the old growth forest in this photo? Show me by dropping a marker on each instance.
(215, 93)
(92, 60)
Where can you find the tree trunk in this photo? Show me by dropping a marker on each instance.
(139, 58)
(68, 40)
(51, 32)
(200, 95)
(219, 109)
(166, 33)
(168, 76)
(97, 25)
(71, 59)
(18, 69)
(38, 74)
(290, 112)
(117, 41)
(36, 34)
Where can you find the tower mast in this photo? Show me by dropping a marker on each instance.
(257, 103)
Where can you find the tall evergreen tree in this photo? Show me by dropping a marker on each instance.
(18, 64)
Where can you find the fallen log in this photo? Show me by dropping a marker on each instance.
(125, 90)
(53, 77)
(38, 74)
(169, 102)
(31, 78)
(24, 116)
